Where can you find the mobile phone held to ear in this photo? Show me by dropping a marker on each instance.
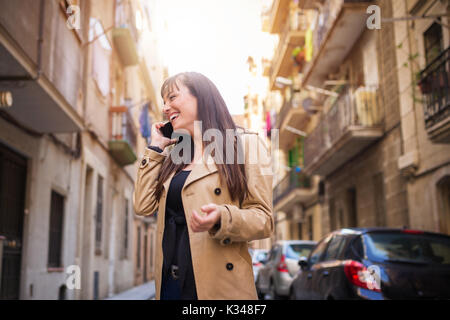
(167, 130)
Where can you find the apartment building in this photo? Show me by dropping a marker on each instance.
(296, 195)
(375, 104)
(69, 140)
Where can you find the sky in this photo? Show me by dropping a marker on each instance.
(215, 38)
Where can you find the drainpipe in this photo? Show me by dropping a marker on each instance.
(40, 39)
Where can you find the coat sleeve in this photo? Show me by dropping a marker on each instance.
(254, 219)
(144, 201)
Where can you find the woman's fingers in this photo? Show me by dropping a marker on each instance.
(199, 223)
(196, 221)
(208, 207)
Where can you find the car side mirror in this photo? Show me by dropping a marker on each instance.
(303, 263)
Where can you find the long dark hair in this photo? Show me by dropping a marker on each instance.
(213, 113)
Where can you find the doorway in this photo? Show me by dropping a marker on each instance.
(13, 173)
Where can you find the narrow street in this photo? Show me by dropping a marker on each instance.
(350, 99)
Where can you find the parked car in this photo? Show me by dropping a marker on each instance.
(275, 277)
(376, 263)
(259, 258)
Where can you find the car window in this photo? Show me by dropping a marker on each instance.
(355, 249)
(334, 248)
(273, 253)
(260, 256)
(318, 251)
(407, 247)
(296, 250)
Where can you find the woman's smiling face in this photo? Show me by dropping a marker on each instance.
(180, 106)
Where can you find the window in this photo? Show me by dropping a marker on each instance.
(335, 248)
(138, 249)
(55, 230)
(300, 230)
(99, 213)
(101, 54)
(355, 249)
(433, 42)
(295, 251)
(125, 232)
(408, 247)
(310, 227)
(380, 200)
(318, 251)
(352, 209)
(152, 241)
(273, 253)
(332, 212)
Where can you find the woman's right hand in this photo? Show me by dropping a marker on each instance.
(158, 140)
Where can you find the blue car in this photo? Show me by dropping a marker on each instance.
(375, 263)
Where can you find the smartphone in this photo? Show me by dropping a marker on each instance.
(167, 130)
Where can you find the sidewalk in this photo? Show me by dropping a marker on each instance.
(145, 291)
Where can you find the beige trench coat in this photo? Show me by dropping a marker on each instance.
(221, 262)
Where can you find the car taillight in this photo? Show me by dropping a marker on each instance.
(356, 273)
(282, 266)
(257, 264)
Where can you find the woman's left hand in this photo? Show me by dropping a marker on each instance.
(204, 223)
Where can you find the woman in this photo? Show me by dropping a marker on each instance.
(208, 209)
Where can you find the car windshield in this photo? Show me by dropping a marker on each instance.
(260, 256)
(407, 247)
(295, 251)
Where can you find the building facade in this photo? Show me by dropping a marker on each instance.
(69, 140)
(376, 113)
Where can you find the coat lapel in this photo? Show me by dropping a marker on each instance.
(204, 168)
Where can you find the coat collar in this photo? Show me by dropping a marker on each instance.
(201, 169)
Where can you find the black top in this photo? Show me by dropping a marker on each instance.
(176, 248)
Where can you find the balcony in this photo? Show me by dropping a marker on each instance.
(434, 84)
(334, 38)
(354, 121)
(125, 34)
(122, 145)
(294, 188)
(290, 116)
(291, 36)
(44, 90)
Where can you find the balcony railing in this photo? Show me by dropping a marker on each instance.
(126, 18)
(346, 125)
(123, 136)
(290, 182)
(339, 26)
(125, 33)
(434, 83)
(291, 35)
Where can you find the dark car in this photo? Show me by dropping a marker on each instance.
(376, 263)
